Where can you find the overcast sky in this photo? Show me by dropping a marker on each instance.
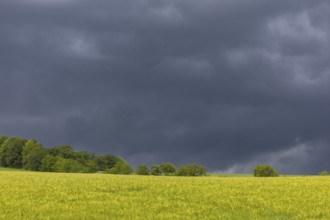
(223, 83)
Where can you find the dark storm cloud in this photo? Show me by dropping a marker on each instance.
(226, 84)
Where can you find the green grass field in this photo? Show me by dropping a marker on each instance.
(33, 195)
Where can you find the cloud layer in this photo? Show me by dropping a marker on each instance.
(226, 84)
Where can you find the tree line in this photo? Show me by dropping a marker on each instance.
(168, 169)
(32, 155)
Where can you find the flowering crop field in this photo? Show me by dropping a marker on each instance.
(34, 195)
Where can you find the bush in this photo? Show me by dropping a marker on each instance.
(191, 170)
(120, 168)
(32, 155)
(182, 171)
(168, 168)
(265, 171)
(47, 163)
(156, 170)
(107, 161)
(64, 165)
(195, 170)
(90, 166)
(324, 173)
(11, 152)
(142, 170)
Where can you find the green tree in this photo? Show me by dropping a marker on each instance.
(142, 170)
(90, 166)
(32, 154)
(120, 168)
(64, 151)
(168, 168)
(195, 170)
(106, 161)
(47, 163)
(11, 152)
(2, 139)
(182, 171)
(64, 165)
(82, 156)
(191, 170)
(265, 171)
(87, 160)
(156, 170)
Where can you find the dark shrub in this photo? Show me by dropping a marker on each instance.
(168, 168)
(191, 170)
(120, 168)
(142, 170)
(156, 170)
(265, 171)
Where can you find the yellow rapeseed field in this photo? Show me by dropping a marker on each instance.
(33, 195)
